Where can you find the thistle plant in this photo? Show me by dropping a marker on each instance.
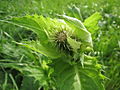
(64, 41)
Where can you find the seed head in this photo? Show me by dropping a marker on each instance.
(61, 37)
(61, 42)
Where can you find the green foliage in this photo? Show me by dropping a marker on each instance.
(105, 41)
(28, 70)
(91, 23)
(30, 83)
(74, 75)
(46, 29)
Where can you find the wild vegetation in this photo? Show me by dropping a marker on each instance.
(59, 45)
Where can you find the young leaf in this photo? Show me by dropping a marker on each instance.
(91, 23)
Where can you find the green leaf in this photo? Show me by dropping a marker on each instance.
(74, 44)
(28, 22)
(74, 77)
(91, 23)
(38, 47)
